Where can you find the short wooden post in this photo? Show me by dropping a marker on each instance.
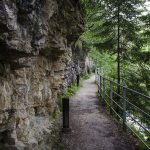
(100, 86)
(65, 109)
(104, 91)
(98, 83)
(124, 107)
(78, 79)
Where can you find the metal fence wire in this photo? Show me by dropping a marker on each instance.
(125, 106)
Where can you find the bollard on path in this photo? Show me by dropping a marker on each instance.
(65, 109)
(78, 79)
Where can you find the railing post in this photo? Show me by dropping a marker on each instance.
(103, 91)
(111, 97)
(124, 107)
(95, 75)
(118, 101)
(98, 82)
(100, 86)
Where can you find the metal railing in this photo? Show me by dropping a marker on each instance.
(122, 105)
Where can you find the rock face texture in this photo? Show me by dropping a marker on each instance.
(36, 63)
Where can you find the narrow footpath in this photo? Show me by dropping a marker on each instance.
(92, 128)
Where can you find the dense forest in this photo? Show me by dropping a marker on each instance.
(117, 36)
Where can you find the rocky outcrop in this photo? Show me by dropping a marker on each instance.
(36, 63)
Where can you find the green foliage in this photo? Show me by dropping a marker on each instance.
(74, 88)
(105, 61)
(85, 77)
(141, 146)
(71, 90)
(103, 18)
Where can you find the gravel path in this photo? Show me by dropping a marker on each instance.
(92, 128)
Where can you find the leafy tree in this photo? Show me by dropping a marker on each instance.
(115, 25)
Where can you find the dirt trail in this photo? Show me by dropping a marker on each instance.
(92, 128)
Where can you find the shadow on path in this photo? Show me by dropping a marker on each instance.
(92, 128)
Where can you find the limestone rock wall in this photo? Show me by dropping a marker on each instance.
(80, 57)
(36, 63)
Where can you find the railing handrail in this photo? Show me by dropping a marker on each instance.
(129, 89)
(101, 81)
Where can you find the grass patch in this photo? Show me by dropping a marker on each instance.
(74, 88)
(85, 77)
(71, 90)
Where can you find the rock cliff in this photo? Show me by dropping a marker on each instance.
(36, 63)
